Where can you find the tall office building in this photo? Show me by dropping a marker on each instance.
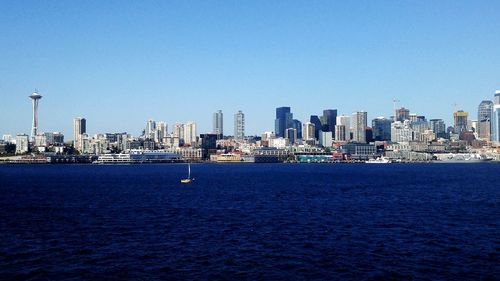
(297, 125)
(359, 124)
(218, 123)
(495, 119)
(484, 113)
(381, 127)
(79, 128)
(35, 97)
(291, 135)
(178, 131)
(340, 133)
(317, 125)
(161, 131)
(438, 127)
(330, 120)
(402, 132)
(190, 133)
(460, 121)
(239, 125)
(283, 121)
(325, 139)
(150, 130)
(495, 124)
(345, 120)
(308, 131)
(402, 114)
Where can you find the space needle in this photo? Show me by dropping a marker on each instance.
(35, 97)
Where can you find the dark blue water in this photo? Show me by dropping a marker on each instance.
(256, 222)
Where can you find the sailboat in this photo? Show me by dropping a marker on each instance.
(188, 179)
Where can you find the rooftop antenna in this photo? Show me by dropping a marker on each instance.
(455, 106)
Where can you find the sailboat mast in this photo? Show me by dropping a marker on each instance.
(189, 170)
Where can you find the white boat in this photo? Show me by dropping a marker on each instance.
(379, 160)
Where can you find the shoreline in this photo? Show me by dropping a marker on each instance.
(242, 162)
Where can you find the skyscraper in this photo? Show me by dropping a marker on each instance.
(308, 131)
(178, 131)
(495, 119)
(484, 114)
(381, 129)
(438, 127)
(345, 120)
(402, 114)
(218, 123)
(291, 135)
(359, 124)
(150, 130)
(283, 121)
(190, 133)
(330, 120)
(239, 125)
(460, 121)
(317, 125)
(297, 125)
(79, 128)
(35, 97)
(161, 131)
(340, 133)
(495, 123)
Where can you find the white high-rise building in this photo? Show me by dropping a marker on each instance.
(308, 130)
(345, 121)
(79, 128)
(190, 133)
(22, 143)
(495, 124)
(150, 130)
(340, 133)
(325, 138)
(161, 131)
(359, 124)
(218, 123)
(178, 131)
(239, 125)
(403, 132)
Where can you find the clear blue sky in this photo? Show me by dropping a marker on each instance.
(119, 63)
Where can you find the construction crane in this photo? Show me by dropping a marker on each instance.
(394, 103)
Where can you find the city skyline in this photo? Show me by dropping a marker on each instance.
(119, 65)
(396, 114)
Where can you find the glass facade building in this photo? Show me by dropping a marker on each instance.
(283, 121)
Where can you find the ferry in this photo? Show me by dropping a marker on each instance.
(379, 160)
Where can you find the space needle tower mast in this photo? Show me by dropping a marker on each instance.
(35, 97)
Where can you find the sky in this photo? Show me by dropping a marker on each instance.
(120, 63)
